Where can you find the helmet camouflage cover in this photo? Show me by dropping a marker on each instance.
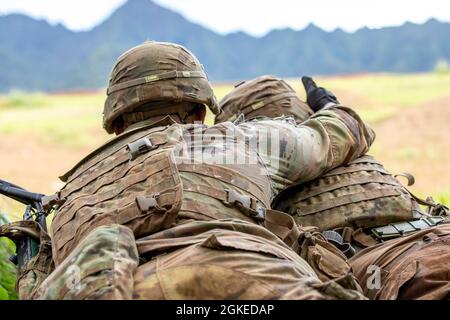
(264, 96)
(155, 72)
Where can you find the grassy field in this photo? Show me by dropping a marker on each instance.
(42, 136)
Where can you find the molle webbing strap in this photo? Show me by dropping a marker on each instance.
(102, 153)
(365, 159)
(119, 160)
(92, 199)
(197, 210)
(263, 102)
(279, 223)
(352, 169)
(222, 195)
(434, 208)
(226, 175)
(121, 215)
(156, 77)
(95, 199)
(128, 213)
(348, 199)
(155, 167)
(345, 183)
(207, 191)
(247, 205)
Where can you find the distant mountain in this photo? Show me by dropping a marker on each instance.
(35, 55)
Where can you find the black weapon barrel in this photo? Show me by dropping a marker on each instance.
(19, 194)
(9, 184)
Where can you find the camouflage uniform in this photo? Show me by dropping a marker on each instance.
(365, 204)
(370, 208)
(202, 229)
(410, 267)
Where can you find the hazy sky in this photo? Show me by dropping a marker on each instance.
(253, 16)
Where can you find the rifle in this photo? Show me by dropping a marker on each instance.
(38, 206)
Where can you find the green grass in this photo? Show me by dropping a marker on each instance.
(67, 120)
(395, 90)
(384, 95)
(19, 99)
(389, 94)
(7, 269)
(443, 197)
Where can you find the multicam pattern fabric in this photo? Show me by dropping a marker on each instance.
(101, 267)
(227, 259)
(358, 195)
(107, 186)
(264, 96)
(187, 184)
(103, 190)
(330, 138)
(154, 72)
(412, 267)
(361, 194)
(215, 161)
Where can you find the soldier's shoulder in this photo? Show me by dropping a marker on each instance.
(110, 147)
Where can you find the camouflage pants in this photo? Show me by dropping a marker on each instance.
(216, 260)
(227, 264)
(413, 267)
(100, 267)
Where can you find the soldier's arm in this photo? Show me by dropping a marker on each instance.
(356, 137)
(332, 137)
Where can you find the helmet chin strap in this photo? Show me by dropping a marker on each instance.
(197, 113)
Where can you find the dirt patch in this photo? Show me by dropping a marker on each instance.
(417, 141)
(34, 165)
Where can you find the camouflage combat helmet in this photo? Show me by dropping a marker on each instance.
(264, 96)
(155, 72)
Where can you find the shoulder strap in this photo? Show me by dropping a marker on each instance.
(114, 145)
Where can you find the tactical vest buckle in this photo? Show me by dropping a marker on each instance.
(139, 147)
(146, 204)
(244, 203)
(260, 214)
(338, 241)
(234, 197)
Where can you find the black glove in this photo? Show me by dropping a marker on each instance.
(317, 97)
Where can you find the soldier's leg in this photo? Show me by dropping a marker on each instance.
(100, 267)
(214, 271)
(413, 267)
